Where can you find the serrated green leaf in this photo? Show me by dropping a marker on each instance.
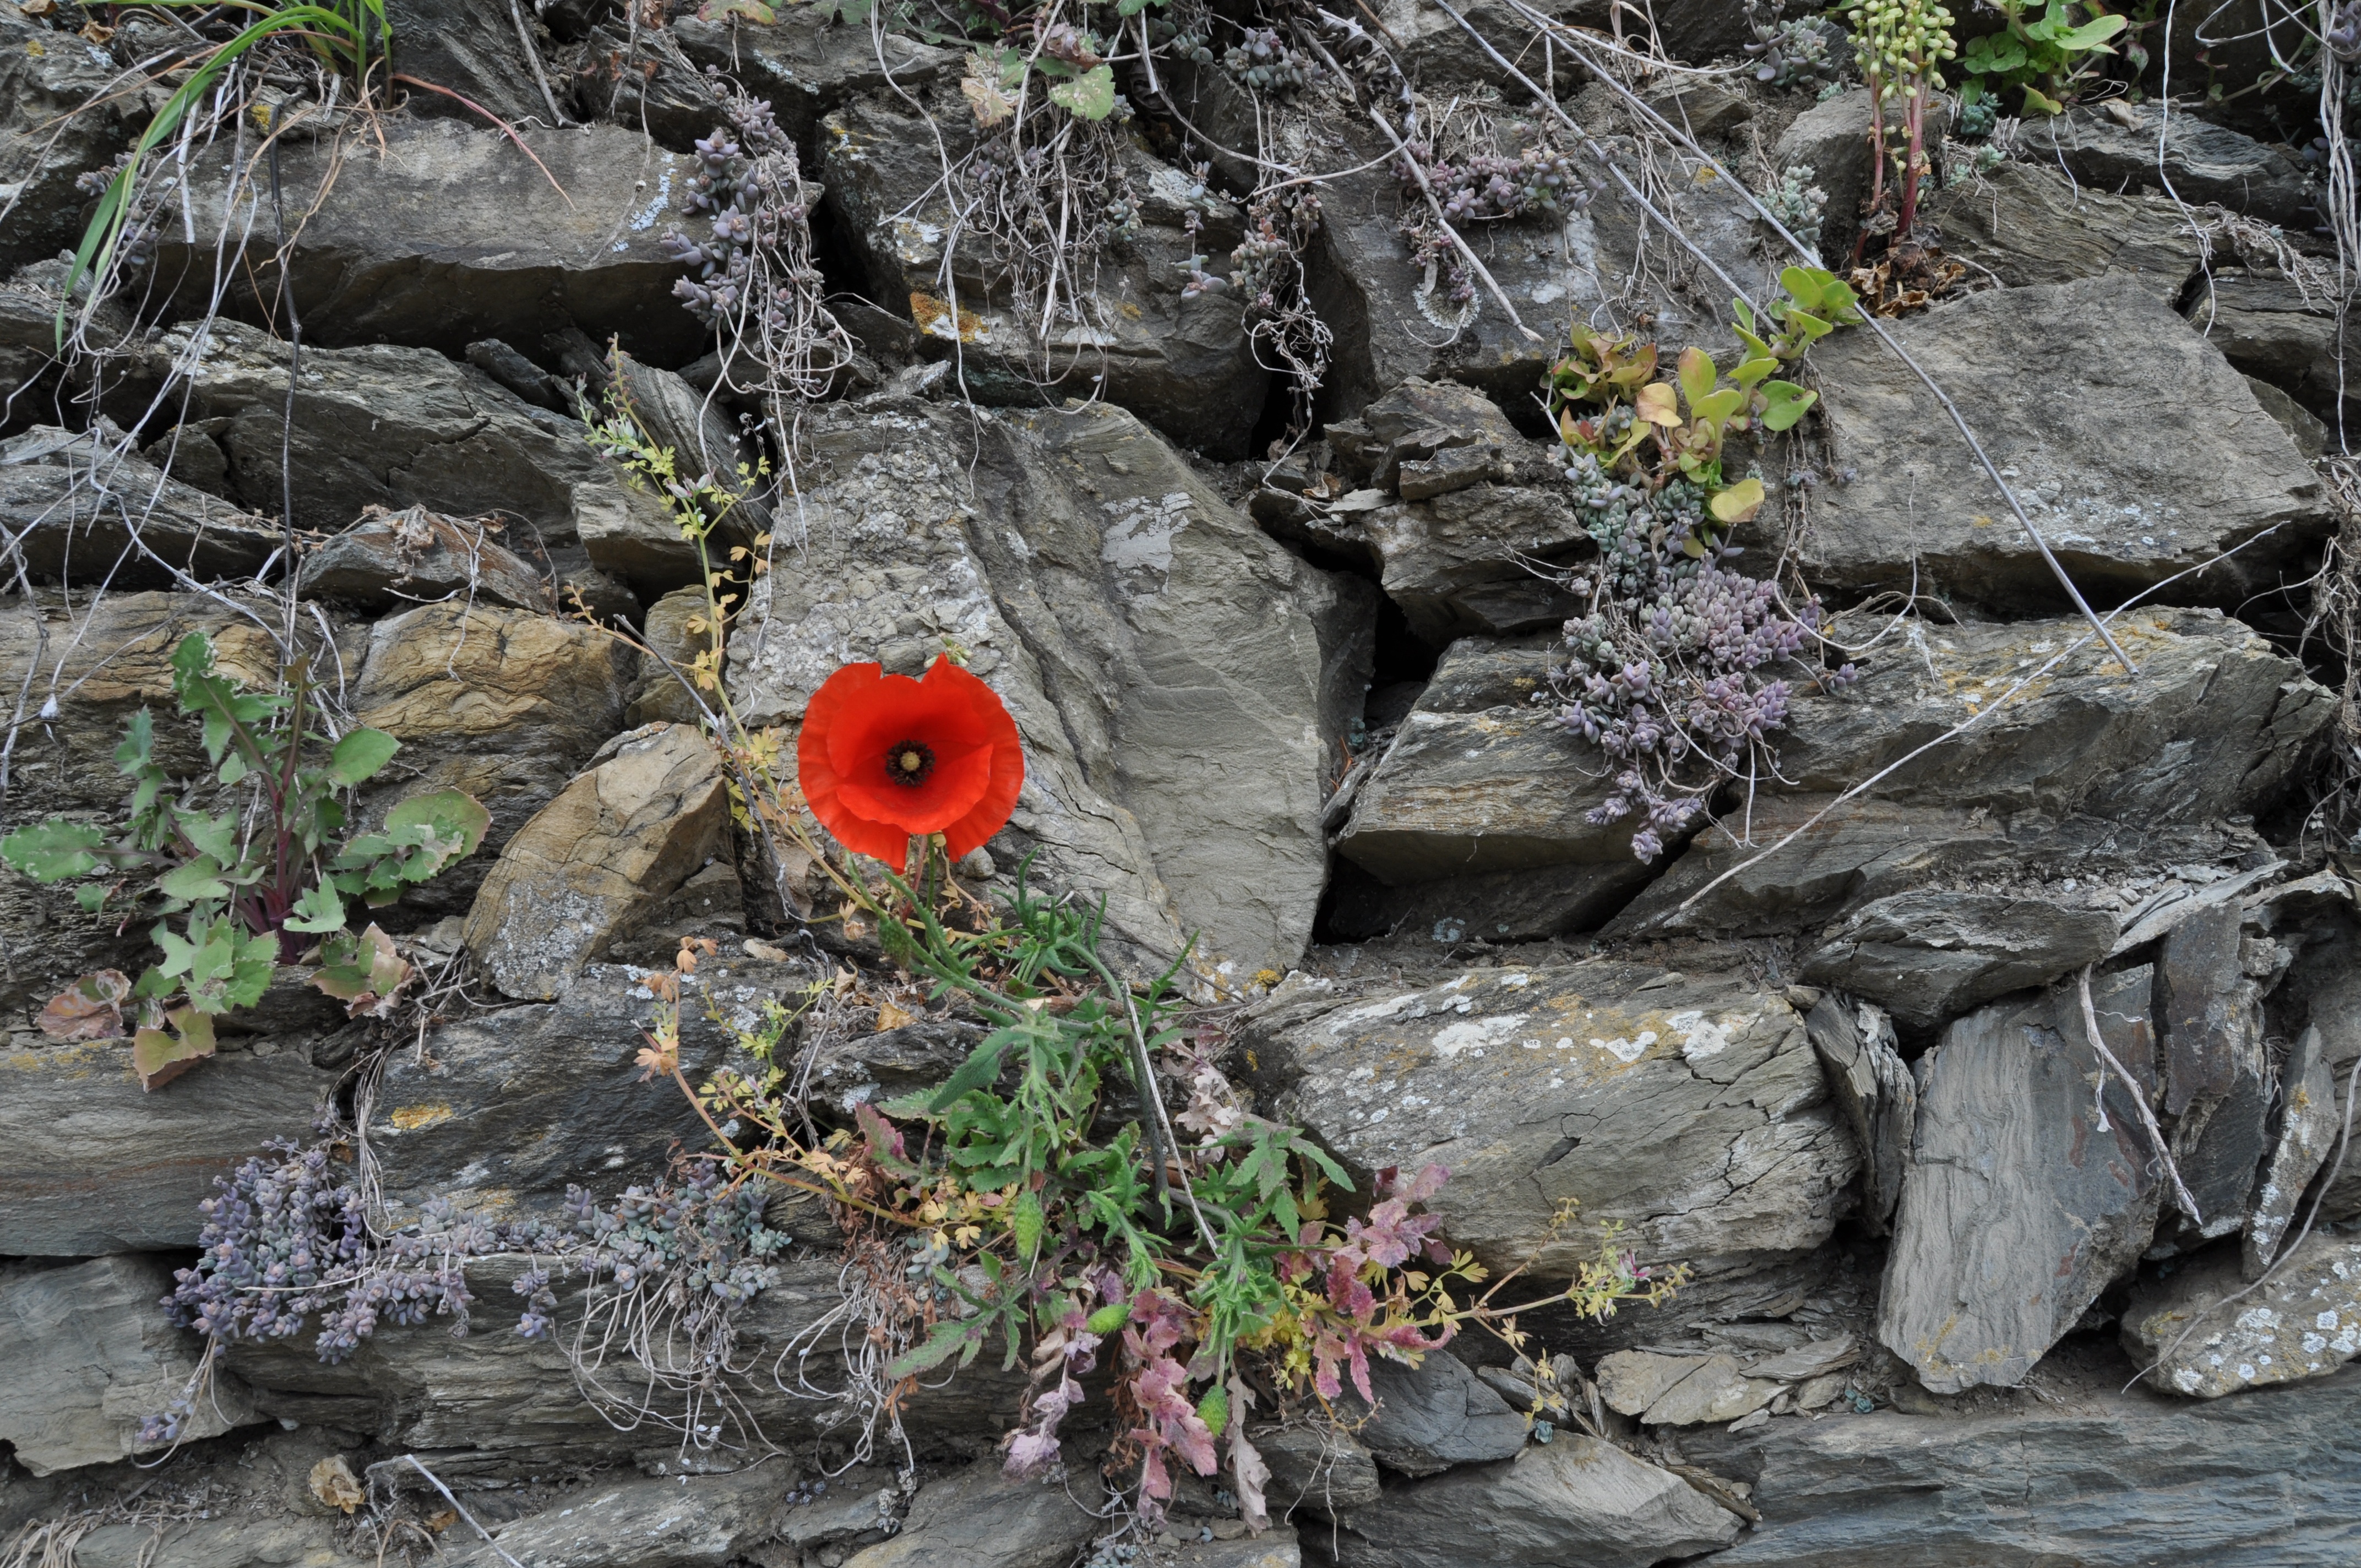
(1090, 95)
(212, 834)
(1214, 1410)
(941, 1343)
(53, 851)
(1108, 1320)
(1024, 1224)
(318, 910)
(360, 755)
(197, 880)
(159, 1057)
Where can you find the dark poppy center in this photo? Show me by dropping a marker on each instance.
(909, 763)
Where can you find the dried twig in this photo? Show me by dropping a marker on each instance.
(2140, 1102)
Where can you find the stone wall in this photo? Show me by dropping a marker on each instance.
(1887, 1046)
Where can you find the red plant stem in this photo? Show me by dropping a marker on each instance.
(1914, 118)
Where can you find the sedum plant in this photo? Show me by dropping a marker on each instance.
(2045, 50)
(239, 890)
(1900, 46)
(1664, 665)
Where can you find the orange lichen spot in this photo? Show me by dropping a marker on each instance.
(410, 1118)
(933, 317)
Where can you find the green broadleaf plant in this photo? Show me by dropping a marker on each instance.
(239, 888)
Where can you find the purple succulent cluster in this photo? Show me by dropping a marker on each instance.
(1261, 60)
(749, 187)
(1484, 188)
(1665, 674)
(285, 1240)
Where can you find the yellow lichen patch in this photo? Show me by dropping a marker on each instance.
(933, 317)
(410, 1118)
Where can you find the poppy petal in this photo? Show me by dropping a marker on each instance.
(856, 722)
(999, 797)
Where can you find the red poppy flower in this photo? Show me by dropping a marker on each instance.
(884, 758)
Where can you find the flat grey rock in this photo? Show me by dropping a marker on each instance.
(978, 1517)
(91, 1357)
(2175, 151)
(392, 557)
(47, 75)
(437, 233)
(2028, 224)
(1929, 956)
(2159, 462)
(84, 509)
(1575, 1499)
(1433, 1416)
(635, 1522)
(2017, 1209)
(2307, 1135)
(2202, 1334)
(2100, 1483)
(1184, 364)
(1320, 1470)
(2274, 331)
(1692, 1109)
(91, 1163)
(510, 1108)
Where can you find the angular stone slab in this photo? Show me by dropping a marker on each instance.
(509, 1108)
(90, 1164)
(2198, 161)
(657, 1521)
(2305, 1322)
(1880, 1098)
(444, 232)
(1164, 660)
(1932, 955)
(504, 704)
(1692, 1109)
(616, 842)
(389, 426)
(1681, 1390)
(389, 557)
(84, 509)
(91, 1357)
(1433, 1416)
(2029, 226)
(2098, 1483)
(2309, 1128)
(2017, 1209)
(1184, 364)
(2273, 331)
(978, 1517)
(2158, 459)
(48, 138)
(1576, 1500)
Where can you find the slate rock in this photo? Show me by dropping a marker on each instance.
(2017, 1210)
(1323, 1470)
(473, 50)
(1164, 662)
(49, 138)
(1681, 1390)
(1930, 956)
(92, 1358)
(190, 1542)
(1394, 322)
(1880, 1098)
(1690, 1108)
(91, 1163)
(1275, 1548)
(660, 696)
(1183, 364)
(2202, 1005)
(1576, 1500)
(807, 64)
(2100, 1482)
(642, 1522)
(978, 1517)
(496, 1405)
(509, 1108)
(2028, 224)
(2308, 1134)
(503, 704)
(1433, 1416)
(2162, 460)
(1480, 779)
(436, 233)
(84, 508)
(392, 557)
(2275, 330)
(389, 426)
(593, 862)
(885, 1066)
(2305, 1322)
(2197, 161)
(1515, 906)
